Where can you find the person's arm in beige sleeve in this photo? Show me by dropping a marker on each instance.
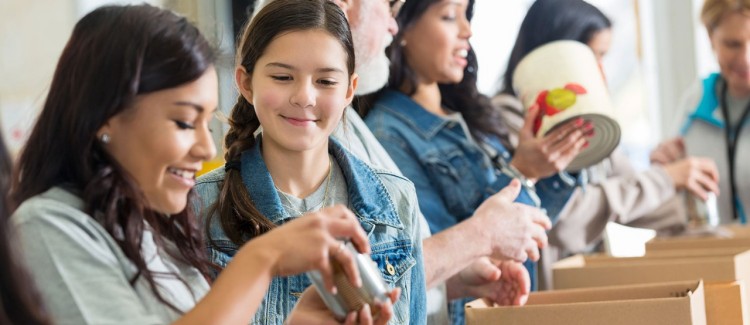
(623, 197)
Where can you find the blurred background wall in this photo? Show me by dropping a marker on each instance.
(658, 49)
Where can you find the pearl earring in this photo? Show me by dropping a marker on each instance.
(402, 43)
(105, 138)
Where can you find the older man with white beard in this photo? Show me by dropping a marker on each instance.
(478, 257)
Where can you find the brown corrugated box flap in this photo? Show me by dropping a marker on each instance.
(720, 268)
(697, 243)
(669, 303)
(724, 303)
(585, 272)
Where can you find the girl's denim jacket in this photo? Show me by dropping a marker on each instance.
(384, 203)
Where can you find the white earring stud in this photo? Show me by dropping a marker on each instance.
(105, 138)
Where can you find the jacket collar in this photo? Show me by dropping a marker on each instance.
(368, 197)
(407, 110)
(707, 108)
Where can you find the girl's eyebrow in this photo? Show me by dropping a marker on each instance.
(291, 67)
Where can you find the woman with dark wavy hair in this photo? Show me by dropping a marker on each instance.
(445, 136)
(107, 174)
(20, 302)
(614, 190)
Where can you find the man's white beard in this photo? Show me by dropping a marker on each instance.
(373, 74)
(374, 70)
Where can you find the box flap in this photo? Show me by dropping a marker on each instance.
(669, 303)
(726, 303)
(696, 243)
(640, 270)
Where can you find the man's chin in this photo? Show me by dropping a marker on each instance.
(373, 75)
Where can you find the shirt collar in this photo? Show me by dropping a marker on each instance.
(368, 197)
(406, 109)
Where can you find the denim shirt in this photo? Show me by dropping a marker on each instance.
(450, 172)
(385, 205)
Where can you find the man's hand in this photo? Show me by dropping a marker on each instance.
(505, 283)
(515, 231)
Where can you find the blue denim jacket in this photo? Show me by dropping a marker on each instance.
(384, 203)
(449, 171)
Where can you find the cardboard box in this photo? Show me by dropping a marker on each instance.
(697, 243)
(695, 252)
(726, 299)
(732, 235)
(667, 303)
(724, 303)
(737, 230)
(710, 265)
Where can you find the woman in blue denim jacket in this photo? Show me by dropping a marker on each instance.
(295, 77)
(445, 138)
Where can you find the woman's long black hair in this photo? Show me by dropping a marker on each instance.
(464, 97)
(553, 20)
(115, 54)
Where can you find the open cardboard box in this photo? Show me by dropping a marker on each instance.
(669, 243)
(732, 235)
(718, 267)
(665, 303)
(738, 230)
(710, 265)
(724, 303)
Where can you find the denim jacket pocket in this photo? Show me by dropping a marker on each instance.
(453, 173)
(394, 260)
(221, 251)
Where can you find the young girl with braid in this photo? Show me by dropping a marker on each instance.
(295, 75)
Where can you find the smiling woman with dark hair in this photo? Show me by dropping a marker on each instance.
(443, 135)
(106, 176)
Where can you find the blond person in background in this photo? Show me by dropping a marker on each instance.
(717, 109)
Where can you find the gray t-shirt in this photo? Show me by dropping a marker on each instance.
(331, 191)
(736, 107)
(83, 275)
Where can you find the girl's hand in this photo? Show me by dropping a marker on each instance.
(312, 310)
(310, 241)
